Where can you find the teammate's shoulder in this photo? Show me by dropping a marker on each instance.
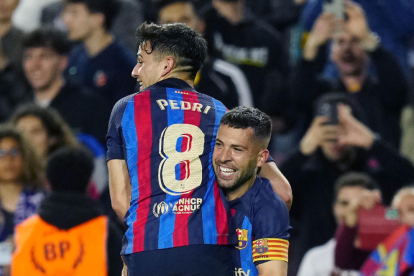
(266, 196)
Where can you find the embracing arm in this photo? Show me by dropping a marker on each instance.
(119, 186)
(279, 182)
(272, 268)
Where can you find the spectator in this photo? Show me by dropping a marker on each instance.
(48, 132)
(45, 59)
(218, 78)
(279, 13)
(407, 139)
(11, 87)
(319, 261)
(392, 20)
(86, 240)
(382, 97)
(235, 35)
(348, 253)
(325, 153)
(10, 36)
(101, 63)
(394, 253)
(44, 128)
(20, 188)
(407, 116)
(129, 17)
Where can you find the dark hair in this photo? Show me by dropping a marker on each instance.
(354, 179)
(69, 169)
(32, 168)
(55, 126)
(47, 37)
(186, 45)
(109, 8)
(245, 117)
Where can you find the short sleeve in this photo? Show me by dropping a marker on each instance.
(271, 227)
(114, 140)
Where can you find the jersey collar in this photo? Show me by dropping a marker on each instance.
(172, 83)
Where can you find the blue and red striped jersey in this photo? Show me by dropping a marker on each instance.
(261, 220)
(166, 134)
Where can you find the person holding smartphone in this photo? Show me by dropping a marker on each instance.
(353, 48)
(320, 260)
(326, 152)
(394, 253)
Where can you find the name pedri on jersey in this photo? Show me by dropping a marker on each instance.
(166, 134)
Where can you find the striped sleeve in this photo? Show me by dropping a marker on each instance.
(114, 140)
(270, 249)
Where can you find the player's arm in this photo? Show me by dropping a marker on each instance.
(270, 228)
(119, 181)
(119, 186)
(272, 268)
(279, 182)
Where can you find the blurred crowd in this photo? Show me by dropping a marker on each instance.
(339, 89)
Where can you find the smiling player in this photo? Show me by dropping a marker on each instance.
(260, 216)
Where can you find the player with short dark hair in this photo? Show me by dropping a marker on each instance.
(160, 142)
(260, 216)
(188, 48)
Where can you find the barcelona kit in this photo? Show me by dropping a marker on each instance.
(262, 225)
(166, 134)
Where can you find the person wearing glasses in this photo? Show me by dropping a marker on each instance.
(21, 188)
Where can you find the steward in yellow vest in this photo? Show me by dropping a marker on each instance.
(70, 235)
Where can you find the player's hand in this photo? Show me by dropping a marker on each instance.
(318, 133)
(353, 132)
(323, 28)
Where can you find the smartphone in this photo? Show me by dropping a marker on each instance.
(375, 225)
(329, 110)
(336, 7)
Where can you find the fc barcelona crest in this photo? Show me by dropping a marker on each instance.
(261, 246)
(242, 236)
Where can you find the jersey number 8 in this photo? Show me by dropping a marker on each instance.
(180, 170)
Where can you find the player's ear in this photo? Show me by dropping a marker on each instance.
(168, 65)
(262, 157)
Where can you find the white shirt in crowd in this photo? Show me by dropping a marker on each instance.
(319, 261)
